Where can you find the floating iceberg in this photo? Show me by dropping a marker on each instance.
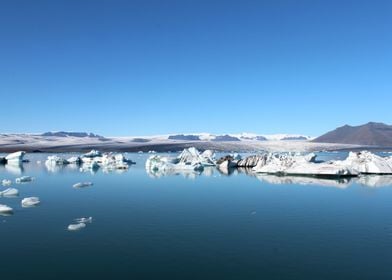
(55, 160)
(82, 185)
(5, 210)
(30, 201)
(10, 192)
(94, 159)
(368, 163)
(192, 155)
(75, 227)
(24, 179)
(92, 154)
(227, 162)
(189, 160)
(15, 158)
(6, 182)
(74, 160)
(288, 164)
(84, 220)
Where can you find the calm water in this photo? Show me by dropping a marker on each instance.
(188, 226)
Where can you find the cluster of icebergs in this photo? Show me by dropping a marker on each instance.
(90, 161)
(286, 164)
(355, 164)
(10, 192)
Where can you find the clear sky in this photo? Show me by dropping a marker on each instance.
(148, 67)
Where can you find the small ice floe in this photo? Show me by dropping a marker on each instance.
(10, 192)
(75, 227)
(24, 179)
(82, 185)
(84, 220)
(6, 182)
(30, 201)
(5, 210)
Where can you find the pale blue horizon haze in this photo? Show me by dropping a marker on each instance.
(157, 67)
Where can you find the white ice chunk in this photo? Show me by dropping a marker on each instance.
(55, 160)
(75, 227)
(84, 220)
(74, 160)
(6, 182)
(368, 163)
(24, 179)
(82, 185)
(16, 157)
(10, 192)
(30, 201)
(5, 210)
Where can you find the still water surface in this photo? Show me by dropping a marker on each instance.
(187, 226)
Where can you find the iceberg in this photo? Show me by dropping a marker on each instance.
(84, 220)
(24, 179)
(6, 182)
(303, 165)
(189, 160)
(30, 201)
(92, 154)
(75, 227)
(82, 185)
(55, 160)
(226, 162)
(15, 158)
(5, 210)
(368, 163)
(10, 192)
(192, 155)
(74, 160)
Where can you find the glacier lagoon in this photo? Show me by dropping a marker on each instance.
(191, 225)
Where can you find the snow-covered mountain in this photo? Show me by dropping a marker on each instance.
(234, 137)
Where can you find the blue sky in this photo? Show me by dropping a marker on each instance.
(153, 67)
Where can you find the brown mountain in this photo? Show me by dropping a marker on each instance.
(375, 134)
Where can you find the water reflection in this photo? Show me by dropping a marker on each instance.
(298, 180)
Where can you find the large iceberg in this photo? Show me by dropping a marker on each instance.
(15, 158)
(368, 163)
(288, 164)
(356, 163)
